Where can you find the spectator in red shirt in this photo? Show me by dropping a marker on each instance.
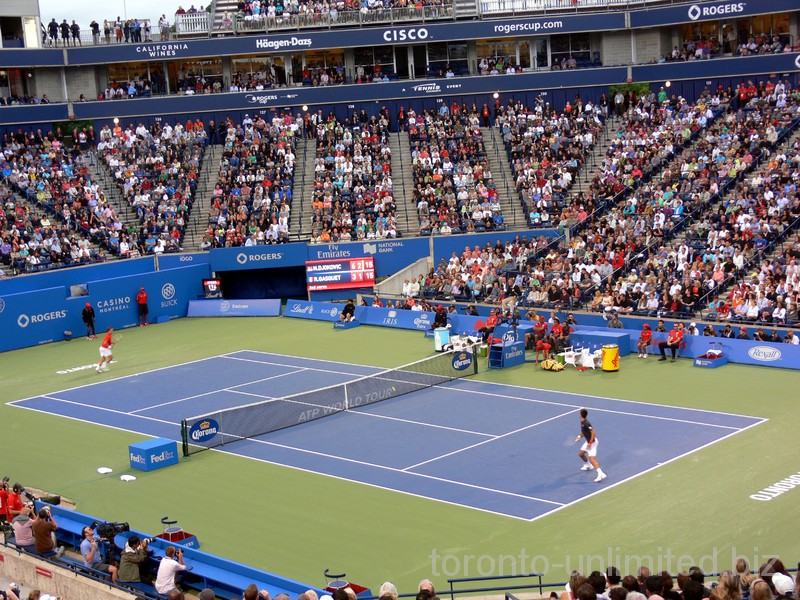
(673, 342)
(644, 340)
(141, 303)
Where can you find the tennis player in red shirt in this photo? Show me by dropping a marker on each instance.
(106, 351)
(644, 340)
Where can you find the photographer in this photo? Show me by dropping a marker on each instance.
(44, 534)
(23, 529)
(90, 550)
(168, 569)
(133, 560)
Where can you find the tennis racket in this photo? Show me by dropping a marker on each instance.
(117, 337)
(570, 441)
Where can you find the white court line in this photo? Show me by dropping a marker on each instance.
(264, 362)
(377, 416)
(425, 462)
(284, 465)
(243, 393)
(670, 406)
(378, 369)
(367, 484)
(606, 410)
(396, 470)
(111, 410)
(228, 389)
(640, 473)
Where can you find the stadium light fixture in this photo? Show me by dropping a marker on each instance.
(496, 95)
(668, 83)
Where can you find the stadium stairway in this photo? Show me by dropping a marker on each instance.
(502, 175)
(595, 157)
(403, 184)
(302, 211)
(218, 10)
(206, 180)
(105, 179)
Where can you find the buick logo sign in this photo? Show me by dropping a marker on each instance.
(2, 305)
(796, 63)
(168, 291)
(23, 321)
(241, 258)
(764, 353)
(224, 306)
(694, 12)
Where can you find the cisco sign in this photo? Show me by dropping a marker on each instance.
(764, 353)
(401, 35)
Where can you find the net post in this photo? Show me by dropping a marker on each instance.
(475, 353)
(184, 438)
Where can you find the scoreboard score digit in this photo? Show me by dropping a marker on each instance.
(340, 274)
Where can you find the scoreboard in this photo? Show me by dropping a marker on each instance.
(340, 274)
(212, 288)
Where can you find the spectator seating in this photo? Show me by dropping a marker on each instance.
(252, 199)
(454, 191)
(156, 172)
(353, 189)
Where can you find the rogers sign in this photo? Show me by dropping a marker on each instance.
(696, 11)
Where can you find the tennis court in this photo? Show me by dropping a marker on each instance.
(499, 448)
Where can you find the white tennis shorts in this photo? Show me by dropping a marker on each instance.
(590, 450)
(105, 352)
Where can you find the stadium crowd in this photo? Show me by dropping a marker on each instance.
(155, 169)
(53, 214)
(454, 190)
(252, 199)
(546, 150)
(353, 197)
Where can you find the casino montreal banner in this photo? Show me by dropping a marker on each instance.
(44, 315)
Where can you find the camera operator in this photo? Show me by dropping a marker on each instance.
(133, 560)
(92, 558)
(44, 534)
(168, 569)
(23, 529)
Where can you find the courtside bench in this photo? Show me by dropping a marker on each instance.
(224, 576)
(221, 575)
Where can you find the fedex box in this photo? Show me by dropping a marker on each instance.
(153, 454)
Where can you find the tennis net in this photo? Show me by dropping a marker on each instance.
(242, 422)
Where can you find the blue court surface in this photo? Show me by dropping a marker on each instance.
(503, 449)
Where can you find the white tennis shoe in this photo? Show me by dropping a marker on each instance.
(587, 467)
(600, 477)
